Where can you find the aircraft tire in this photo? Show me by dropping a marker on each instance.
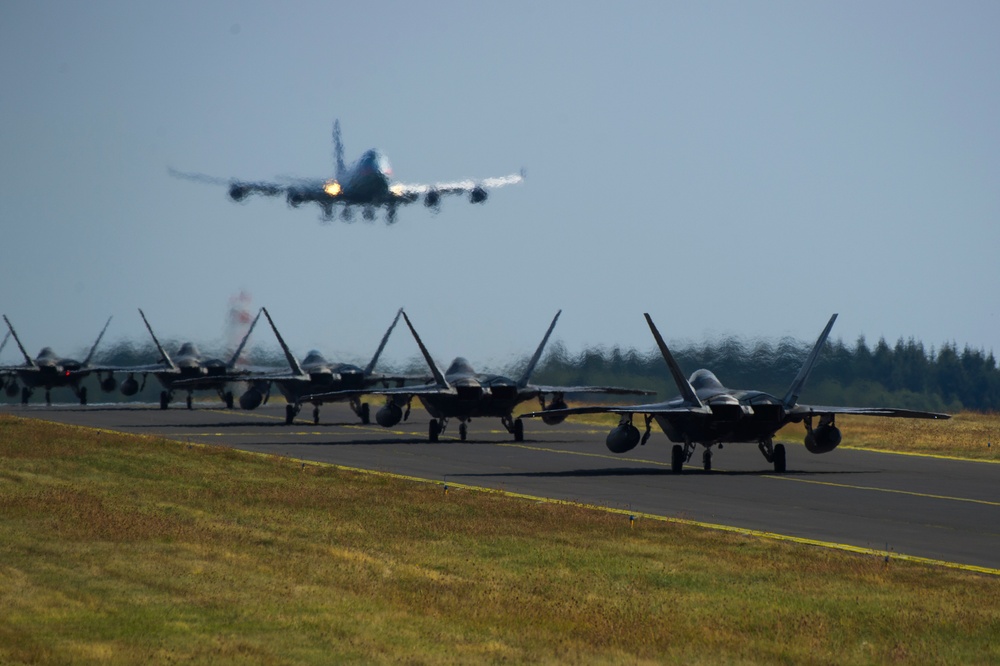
(190, 402)
(677, 459)
(706, 460)
(365, 413)
(433, 430)
(25, 395)
(289, 414)
(164, 400)
(463, 431)
(779, 458)
(315, 415)
(83, 395)
(518, 430)
(227, 398)
(48, 397)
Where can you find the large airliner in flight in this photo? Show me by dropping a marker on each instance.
(366, 183)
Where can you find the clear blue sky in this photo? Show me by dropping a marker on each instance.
(728, 167)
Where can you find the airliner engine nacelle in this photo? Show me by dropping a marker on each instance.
(129, 386)
(109, 384)
(294, 198)
(251, 398)
(389, 415)
(623, 438)
(554, 419)
(478, 195)
(823, 439)
(237, 192)
(432, 199)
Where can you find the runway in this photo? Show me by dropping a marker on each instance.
(943, 510)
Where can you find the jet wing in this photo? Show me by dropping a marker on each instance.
(659, 408)
(431, 389)
(471, 187)
(610, 390)
(807, 410)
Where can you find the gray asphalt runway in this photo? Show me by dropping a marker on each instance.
(937, 509)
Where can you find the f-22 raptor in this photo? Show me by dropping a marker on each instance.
(367, 183)
(48, 370)
(462, 393)
(709, 414)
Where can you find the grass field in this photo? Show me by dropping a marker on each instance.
(119, 549)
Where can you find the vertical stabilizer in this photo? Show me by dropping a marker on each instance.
(683, 385)
(385, 338)
(243, 342)
(4, 343)
(436, 371)
(164, 356)
(526, 376)
(795, 389)
(86, 361)
(292, 362)
(338, 149)
(27, 357)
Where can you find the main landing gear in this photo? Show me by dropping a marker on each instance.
(514, 427)
(773, 453)
(362, 410)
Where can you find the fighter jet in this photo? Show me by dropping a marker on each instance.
(315, 375)
(366, 183)
(462, 393)
(48, 370)
(709, 414)
(189, 370)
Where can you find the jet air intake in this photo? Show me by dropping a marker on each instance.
(555, 419)
(251, 398)
(389, 415)
(822, 439)
(623, 438)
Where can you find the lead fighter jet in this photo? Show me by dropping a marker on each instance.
(708, 413)
(366, 183)
(462, 393)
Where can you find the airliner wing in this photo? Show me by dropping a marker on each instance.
(476, 189)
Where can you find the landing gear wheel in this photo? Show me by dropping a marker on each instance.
(677, 459)
(779, 458)
(48, 397)
(315, 415)
(83, 395)
(518, 430)
(25, 395)
(227, 398)
(290, 412)
(433, 430)
(463, 431)
(365, 413)
(706, 460)
(164, 399)
(190, 402)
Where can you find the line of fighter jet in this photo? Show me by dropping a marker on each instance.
(705, 412)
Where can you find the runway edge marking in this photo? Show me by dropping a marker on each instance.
(831, 545)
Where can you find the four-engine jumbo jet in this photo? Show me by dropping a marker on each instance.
(462, 393)
(366, 183)
(710, 414)
(315, 375)
(48, 370)
(188, 370)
